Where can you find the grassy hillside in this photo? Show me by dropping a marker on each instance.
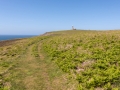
(62, 60)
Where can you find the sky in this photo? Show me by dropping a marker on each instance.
(34, 17)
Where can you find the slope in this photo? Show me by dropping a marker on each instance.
(31, 70)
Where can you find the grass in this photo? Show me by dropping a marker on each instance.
(31, 69)
(62, 60)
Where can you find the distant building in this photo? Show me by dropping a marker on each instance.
(73, 28)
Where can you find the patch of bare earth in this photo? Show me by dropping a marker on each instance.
(99, 88)
(84, 65)
(30, 82)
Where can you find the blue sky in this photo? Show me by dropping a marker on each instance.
(34, 17)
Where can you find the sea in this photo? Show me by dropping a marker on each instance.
(10, 37)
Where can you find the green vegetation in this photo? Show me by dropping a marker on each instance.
(92, 56)
(73, 59)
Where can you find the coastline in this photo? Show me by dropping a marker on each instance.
(10, 37)
(8, 42)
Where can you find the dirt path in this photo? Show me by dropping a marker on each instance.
(39, 73)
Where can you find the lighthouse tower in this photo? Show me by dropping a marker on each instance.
(73, 28)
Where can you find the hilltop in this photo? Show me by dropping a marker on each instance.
(62, 60)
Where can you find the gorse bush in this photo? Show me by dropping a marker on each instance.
(93, 56)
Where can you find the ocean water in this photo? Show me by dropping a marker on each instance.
(10, 37)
